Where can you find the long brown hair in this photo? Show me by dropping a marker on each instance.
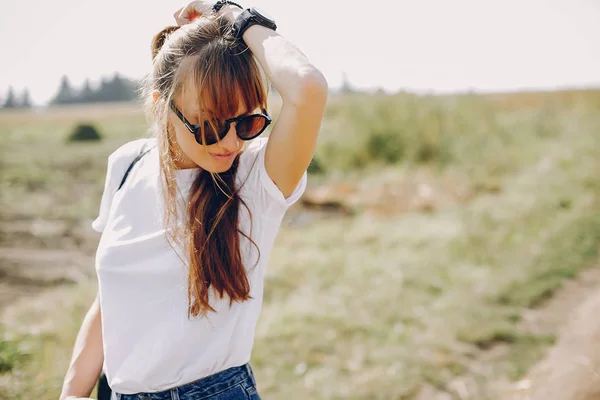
(224, 73)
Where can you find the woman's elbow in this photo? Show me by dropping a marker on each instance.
(315, 85)
(311, 88)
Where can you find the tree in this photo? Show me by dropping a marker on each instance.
(10, 101)
(87, 95)
(346, 85)
(116, 89)
(25, 100)
(65, 92)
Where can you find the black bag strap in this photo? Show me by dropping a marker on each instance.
(135, 160)
(104, 391)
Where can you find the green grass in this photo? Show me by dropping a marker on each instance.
(369, 306)
(10, 355)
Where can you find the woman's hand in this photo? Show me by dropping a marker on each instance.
(193, 10)
(197, 9)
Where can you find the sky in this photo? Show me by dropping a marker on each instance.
(424, 45)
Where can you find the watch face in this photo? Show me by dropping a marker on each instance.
(260, 12)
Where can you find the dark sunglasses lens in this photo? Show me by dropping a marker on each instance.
(249, 127)
(210, 133)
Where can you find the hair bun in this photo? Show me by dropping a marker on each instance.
(159, 39)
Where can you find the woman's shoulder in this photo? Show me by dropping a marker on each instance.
(131, 149)
(253, 178)
(120, 159)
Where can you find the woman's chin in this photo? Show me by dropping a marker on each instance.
(216, 165)
(221, 164)
(219, 168)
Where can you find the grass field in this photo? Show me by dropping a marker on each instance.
(465, 213)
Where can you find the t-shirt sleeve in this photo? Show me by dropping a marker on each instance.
(117, 164)
(257, 183)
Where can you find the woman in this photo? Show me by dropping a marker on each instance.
(186, 240)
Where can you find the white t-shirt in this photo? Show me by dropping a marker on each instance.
(149, 343)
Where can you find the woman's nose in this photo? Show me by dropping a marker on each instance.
(231, 142)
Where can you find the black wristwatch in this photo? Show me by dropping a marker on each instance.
(249, 17)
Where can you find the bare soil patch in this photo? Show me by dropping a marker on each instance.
(571, 369)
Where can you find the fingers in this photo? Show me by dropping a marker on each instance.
(176, 14)
(193, 15)
(181, 16)
(193, 10)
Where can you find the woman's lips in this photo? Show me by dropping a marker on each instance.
(223, 156)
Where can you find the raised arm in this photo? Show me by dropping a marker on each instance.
(303, 90)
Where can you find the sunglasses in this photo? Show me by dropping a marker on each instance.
(247, 127)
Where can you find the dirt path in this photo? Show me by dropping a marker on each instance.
(26, 271)
(40, 255)
(571, 369)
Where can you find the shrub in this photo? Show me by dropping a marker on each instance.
(9, 355)
(316, 166)
(84, 133)
(385, 144)
(380, 129)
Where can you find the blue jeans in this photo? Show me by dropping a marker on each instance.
(235, 383)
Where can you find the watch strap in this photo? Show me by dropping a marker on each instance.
(219, 4)
(249, 18)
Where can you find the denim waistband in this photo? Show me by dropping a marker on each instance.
(202, 388)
